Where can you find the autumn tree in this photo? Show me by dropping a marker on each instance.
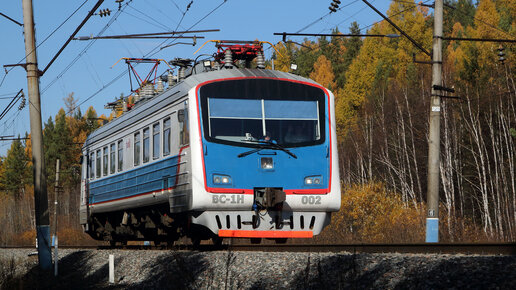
(352, 46)
(2, 172)
(323, 72)
(92, 121)
(306, 56)
(283, 56)
(71, 104)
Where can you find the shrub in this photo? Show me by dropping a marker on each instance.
(371, 214)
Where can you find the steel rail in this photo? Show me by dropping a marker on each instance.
(439, 248)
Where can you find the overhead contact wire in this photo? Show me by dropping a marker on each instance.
(147, 55)
(44, 40)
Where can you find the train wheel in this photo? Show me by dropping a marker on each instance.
(217, 241)
(256, 240)
(196, 242)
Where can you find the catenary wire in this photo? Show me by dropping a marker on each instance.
(160, 11)
(44, 40)
(147, 55)
(113, 19)
(150, 18)
(177, 6)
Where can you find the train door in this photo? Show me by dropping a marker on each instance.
(184, 126)
(86, 168)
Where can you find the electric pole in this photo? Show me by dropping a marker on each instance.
(56, 190)
(40, 183)
(434, 142)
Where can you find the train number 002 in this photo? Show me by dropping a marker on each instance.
(311, 200)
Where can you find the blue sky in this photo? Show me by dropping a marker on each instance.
(84, 68)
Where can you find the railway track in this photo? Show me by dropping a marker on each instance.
(440, 248)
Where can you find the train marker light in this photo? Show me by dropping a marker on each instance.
(221, 179)
(313, 180)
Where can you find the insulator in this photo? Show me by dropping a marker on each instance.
(149, 90)
(136, 97)
(501, 54)
(336, 2)
(160, 88)
(181, 73)
(260, 60)
(228, 59)
(332, 9)
(104, 12)
(170, 78)
(22, 104)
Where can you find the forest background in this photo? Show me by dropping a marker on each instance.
(382, 103)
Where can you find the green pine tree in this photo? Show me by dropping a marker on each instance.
(16, 173)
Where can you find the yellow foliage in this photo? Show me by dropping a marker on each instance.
(323, 73)
(486, 13)
(28, 150)
(382, 58)
(26, 238)
(284, 58)
(371, 214)
(455, 51)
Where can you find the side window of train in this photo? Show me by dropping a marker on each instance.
(136, 148)
(112, 162)
(92, 165)
(155, 140)
(105, 161)
(146, 145)
(166, 137)
(182, 117)
(97, 165)
(120, 155)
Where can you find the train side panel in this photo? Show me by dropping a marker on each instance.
(162, 179)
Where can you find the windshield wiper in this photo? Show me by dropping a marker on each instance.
(249, 152)
(270, 145)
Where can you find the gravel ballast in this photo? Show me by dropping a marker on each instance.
(151, 269)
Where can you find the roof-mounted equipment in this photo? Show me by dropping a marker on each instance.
(239, 53)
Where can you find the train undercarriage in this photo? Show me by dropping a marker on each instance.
(154, 224)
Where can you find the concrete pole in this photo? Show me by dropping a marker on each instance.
(56, 243)
(111, 269)
(432, 219)
(38, 161)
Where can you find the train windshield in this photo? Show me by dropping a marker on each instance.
(290, 121)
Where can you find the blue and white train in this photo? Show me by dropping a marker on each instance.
(223, 152)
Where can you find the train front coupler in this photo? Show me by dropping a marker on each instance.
(269, 199)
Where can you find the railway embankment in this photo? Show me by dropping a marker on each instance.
(165, 269)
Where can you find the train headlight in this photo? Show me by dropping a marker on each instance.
(267, 163)
(313, 180)
(221, 179)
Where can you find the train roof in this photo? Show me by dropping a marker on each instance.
(145, 108)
